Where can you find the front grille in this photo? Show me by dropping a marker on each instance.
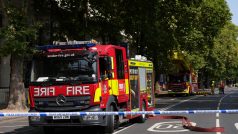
(177, 88)
(71, 104)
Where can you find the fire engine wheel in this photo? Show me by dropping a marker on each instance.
(48, 130)
(112, 121)
(142, 118)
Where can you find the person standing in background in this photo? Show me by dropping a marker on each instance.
(212, 87)
(221, 87)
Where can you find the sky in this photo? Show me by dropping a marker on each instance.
(233, 5)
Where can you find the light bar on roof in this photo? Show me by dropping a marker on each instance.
(67, 45)
(74, 42)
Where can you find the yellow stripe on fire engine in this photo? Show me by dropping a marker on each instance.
(127, 86)
(114, 86)
(112, 63)
(97, 95)
(140, 63)
(149, 69)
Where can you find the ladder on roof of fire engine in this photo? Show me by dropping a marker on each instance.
(139, 58)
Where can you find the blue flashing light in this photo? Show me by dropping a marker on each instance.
(46, 47)
(91, 45)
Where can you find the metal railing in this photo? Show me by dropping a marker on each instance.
(4, 96)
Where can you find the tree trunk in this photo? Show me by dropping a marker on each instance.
(17, 99)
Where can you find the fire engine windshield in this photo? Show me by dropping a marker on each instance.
(63, 69)
(178, 78)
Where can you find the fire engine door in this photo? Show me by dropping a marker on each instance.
(146, 85)
(134, 86)
(149, 87)
(120, 71)
(103, 75)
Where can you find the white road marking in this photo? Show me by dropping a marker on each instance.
(218, 125)
(236, 125)
(172, 127)
(123, 129)
(217, 114)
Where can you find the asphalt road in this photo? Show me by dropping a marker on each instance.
(153, 126)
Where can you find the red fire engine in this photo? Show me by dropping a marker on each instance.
(82, 76)
(182, 78)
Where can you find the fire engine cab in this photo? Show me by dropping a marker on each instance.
(81, 76)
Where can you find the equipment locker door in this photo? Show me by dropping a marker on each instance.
(149, 87)
(134, 86)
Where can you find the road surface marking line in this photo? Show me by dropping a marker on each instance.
(218, 125)
(236, 125)
(124, 129)
(219, 104)
(217, 115)
(171, 126)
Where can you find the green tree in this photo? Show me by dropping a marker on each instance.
(16, 37)
(224, 54)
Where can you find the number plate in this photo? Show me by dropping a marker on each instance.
(61, 117)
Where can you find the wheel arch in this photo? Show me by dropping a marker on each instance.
(112, 101)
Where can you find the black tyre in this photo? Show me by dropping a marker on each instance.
(112, 122)
(48, 130)
(142, 118)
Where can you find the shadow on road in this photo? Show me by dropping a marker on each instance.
(62, 130)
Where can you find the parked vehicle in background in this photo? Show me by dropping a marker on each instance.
(182, 79)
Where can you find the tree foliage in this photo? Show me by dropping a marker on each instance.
(224, 55)
(18, 34)
(200, 28)
(17, 37)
